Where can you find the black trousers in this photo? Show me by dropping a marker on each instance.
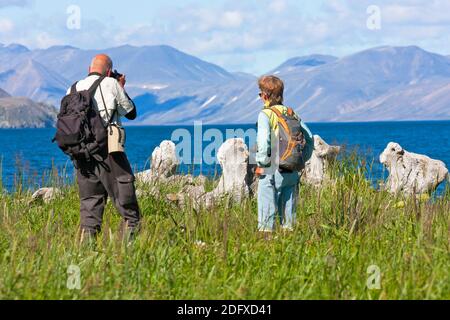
(98, 180)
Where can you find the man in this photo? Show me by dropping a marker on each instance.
(278, 190)
(114, 176)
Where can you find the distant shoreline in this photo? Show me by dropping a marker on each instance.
(129, 125)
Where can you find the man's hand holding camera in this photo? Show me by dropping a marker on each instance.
(121, 78)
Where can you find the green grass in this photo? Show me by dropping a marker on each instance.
(342, 230)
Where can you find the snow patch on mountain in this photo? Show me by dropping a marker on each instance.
(172, 87)
(207, 103)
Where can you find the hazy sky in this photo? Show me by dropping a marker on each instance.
(245, 35)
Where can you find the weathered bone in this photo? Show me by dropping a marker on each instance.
(235, 182)
(316, 171)
(238, 178)
(46, 195)
(233, 157)
(164, 164)
(411, 173)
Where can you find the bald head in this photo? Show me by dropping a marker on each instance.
(101, 64)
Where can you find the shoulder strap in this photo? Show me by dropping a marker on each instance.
(73, 89)
(111, 119)
(281, 120)
(95, 85)
(277, 112)
(289, 111)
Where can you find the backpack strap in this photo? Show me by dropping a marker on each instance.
(289, 111)
(73, 89)
(95, 85)
(110, 119)
(277, 112)
(281, 120)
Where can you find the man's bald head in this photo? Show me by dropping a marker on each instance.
(101, 64)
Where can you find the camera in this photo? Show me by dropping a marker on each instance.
(116, 75)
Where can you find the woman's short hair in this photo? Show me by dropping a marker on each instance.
(273, 87)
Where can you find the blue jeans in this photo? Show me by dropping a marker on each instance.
(277, 198)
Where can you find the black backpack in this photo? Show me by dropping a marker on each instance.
(80, 131)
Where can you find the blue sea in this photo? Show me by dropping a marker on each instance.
(28, 154)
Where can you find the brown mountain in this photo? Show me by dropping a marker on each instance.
(18, 113)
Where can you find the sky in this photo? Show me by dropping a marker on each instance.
(252, 36)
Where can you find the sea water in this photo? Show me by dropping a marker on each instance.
(28, 155)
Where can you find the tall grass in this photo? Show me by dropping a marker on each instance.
(343, 229)
(1, 174)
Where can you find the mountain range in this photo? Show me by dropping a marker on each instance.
(172, 87)
(4, 94)
(17, 112)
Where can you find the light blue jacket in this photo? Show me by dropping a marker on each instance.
(265, 136)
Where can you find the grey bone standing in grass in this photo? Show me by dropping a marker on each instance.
(100, 172)
(316, 169)
(412, 173)
(236, 181)
(164, 164)
(46, 195)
